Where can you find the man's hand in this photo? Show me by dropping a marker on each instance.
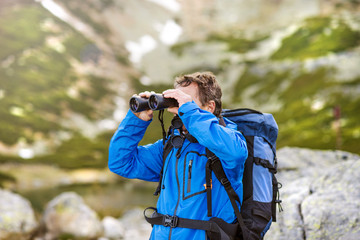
(146, 115)
(179, 95)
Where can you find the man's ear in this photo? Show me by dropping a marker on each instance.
(210, 106)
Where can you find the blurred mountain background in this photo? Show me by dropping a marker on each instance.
(68, 68)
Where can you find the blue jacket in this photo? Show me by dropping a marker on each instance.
(183, 193)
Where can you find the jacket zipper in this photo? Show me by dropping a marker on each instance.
(189, 177)
(178, 153)
(178, 185)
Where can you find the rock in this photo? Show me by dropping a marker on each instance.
(135, 225)
(302, 162)
(292, 195)
(131, 225)
(320, 194)
(67, 214)
(113, 228)
(17, 218)
(332, 210)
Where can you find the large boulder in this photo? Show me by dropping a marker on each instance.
(135, 225)
(68, 215)
(332, 210)
(320, 193)
(132, 225)
(17, 218)
(113, 228)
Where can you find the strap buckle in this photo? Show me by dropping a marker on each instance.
(170, 221)
(225, 182)
(213, 158)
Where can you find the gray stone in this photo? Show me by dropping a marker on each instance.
(17, 218)
(113, 228)
(68, 214)
(332, 210)
(320, 194)
(135, 225)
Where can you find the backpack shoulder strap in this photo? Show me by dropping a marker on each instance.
(167, 149)
(218, 170)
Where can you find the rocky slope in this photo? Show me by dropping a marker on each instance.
(320, 195)
(320, 200)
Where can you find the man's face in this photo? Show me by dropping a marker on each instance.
(193, 91)
(187, 94)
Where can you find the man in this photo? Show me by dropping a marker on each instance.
(183, 192)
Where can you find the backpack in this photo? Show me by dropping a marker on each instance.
(260, 186)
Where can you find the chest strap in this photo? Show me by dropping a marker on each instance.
(215, 225)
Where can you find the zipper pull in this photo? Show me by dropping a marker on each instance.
(190, 166)
(189, 176)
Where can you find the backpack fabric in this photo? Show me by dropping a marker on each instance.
(260, 187)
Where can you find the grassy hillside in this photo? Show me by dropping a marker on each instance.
(39, 87)
(318, 36)
(304, 93)
(306, 117)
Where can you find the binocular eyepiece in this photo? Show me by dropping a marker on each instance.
(154, 102)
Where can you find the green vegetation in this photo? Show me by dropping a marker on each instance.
(39, 86)
(123, 59)
(20, 29)
(317, 37)
(75, 45)
(37, 78)
(179, 48)
(83, 13)
(6, 178)
(24, 82)
(268, 84)
(80, 152)
(77, 152)
(299, 123)
(236, 43)
(307, 85)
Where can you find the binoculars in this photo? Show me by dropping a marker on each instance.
(154, 102)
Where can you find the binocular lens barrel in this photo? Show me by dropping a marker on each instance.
(155, 102)
(138, 104)
(158, 102)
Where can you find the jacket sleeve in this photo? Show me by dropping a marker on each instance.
(226, 143)
(129, 160)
